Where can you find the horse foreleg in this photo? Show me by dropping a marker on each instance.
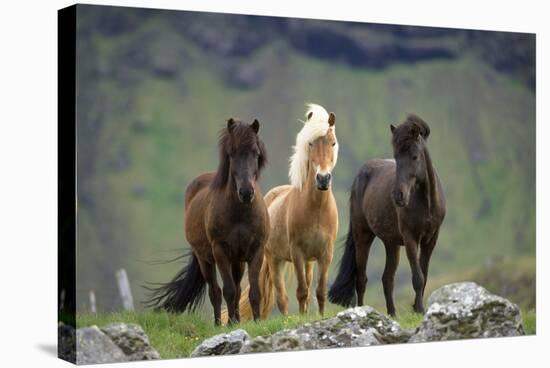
(214, 292)
(309, 280)
(301, 290)
(277, 266)
(392, 261)
(237, 270)
(229, 288)
(411, 246)
(254, 295)
(321, 291)
(425, 255)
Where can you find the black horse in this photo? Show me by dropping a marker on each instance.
(400, 201)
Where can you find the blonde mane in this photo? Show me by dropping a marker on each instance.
(315, 126)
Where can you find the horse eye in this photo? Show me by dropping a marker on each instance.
(310, 144)
(415, 157)
(334, 144)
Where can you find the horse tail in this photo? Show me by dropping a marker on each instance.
(266, 299)
(342, 290)
(184, 293)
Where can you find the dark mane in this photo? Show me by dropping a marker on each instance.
(241, 138)
(407, 132)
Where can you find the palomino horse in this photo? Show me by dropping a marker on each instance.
(402, 202)
(227, 225)
(303, 217)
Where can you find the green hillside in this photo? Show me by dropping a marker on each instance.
(148, 125)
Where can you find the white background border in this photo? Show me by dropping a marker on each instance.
(28, 184)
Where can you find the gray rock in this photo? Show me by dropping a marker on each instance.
(66, 342)
(387, 330)
(93, 347)
(223, 344)
(132, 340)
(361, 326)
(466, 310)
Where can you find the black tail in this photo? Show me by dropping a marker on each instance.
(184, 293)
(342, 290)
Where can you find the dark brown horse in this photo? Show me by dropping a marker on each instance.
(227, 225)
(400, 201)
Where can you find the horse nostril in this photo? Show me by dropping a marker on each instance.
(323, 178)
(398, 195)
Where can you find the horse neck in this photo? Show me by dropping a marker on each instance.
(430, 181)
(230, 190)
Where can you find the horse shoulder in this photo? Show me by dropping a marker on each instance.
(374, 184)
(331, 216)
(373, 198)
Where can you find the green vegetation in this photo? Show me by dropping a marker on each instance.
(175, 336)
(530, 322)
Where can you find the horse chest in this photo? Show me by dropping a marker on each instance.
(311, 237)
(239, 227)
(416, 220)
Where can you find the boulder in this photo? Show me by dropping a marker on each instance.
(360, 326)
(66, 342)
(132, 340)
(223, 344)
(466, 310)
(93, 347)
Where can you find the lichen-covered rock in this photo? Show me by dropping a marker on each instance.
(132, 340)
(93, 347)
(466, 310)
(387, 330)
(223, 344)
(361, 326)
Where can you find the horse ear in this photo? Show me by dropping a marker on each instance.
(255, 125)
(230, 124)
(331, 119)
(392, 128)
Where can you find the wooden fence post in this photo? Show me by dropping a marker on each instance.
(124, 289)
(92, 302)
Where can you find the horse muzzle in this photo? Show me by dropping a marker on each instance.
(323, 181)
(246, 195)
(400, 198)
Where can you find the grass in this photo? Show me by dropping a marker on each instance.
(175, 336)
(529, 321)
